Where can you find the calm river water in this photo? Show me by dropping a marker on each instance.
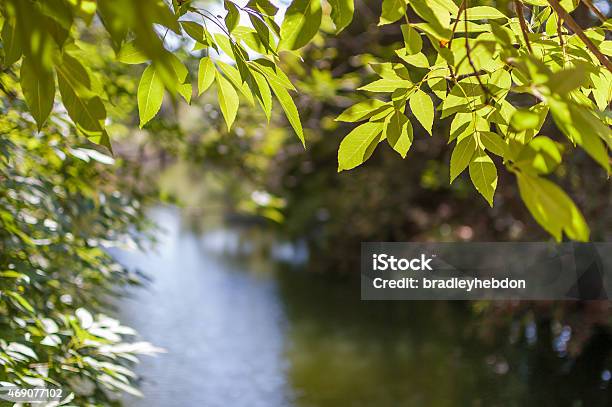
(240, 329)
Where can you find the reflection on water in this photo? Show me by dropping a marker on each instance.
(223, 328)
(241, 331)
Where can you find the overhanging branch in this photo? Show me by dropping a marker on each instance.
(573, 25)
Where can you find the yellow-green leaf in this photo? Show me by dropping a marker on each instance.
(150, 94)
(264, 95)
(186, 91)
(358, 145)
(361, 111)
(412, 39)
(206, 74)
(484, 175)
(483, 13)
(301, 23)
(461, 156)
(398, 131)
(552, 208)
(228, 99)
(493, 143)
(130, 54)
(342, 13)
(392, 10)
(286, 102)
(423, 109)
(387, 85)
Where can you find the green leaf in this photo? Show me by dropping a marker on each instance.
(566, 80)
(233, 15)
(583, 128)
(206, 74)
(39, 91)
(273, 73)
(195, 31)
(84, 107)
(540, 156)
(484, 13)
(524, 119)
(263, 6)
(228, 99)
(419, 59)
(493, 143)
(437, 17)
(286, 102)
(21, 301)
(301, 23)
(150, 95)
(392, 10)
(552, 208)
(186, 91)
(263, 37)
(361, 111)
(484, 175)
(11, 43)
(233, 75)
(387, 85)
(342, 13)
(412, 39)
(264, 96)
(398, 131)
(130, 54)
(358, 145)
(461, 156)
(423, 109)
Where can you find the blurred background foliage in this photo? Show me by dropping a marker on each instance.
(62, 205)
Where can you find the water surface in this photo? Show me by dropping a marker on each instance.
(242, 330)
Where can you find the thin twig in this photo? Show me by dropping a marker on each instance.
(595, 10)
(561, 40)
(461, 9)
(468, 52)
(450, 42)
(573, 25)
(519, 12)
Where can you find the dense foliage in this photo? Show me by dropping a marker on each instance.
(503, 79)
(60, 209)
(497, 73)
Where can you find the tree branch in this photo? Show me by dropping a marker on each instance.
(468, 53)
(573, 25)
(519, 12)
(595, 10)
(450, 42)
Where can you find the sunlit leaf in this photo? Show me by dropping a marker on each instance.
(150, 94)
(412, 39)
(392, 10)
(483, 174)
(361, 111)
(301, 23)
(398, 131)
(423, 109)
(342, 13)
(461, 156)
(552, 208)
(228, 99)
(206, 74)
(358, 145)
